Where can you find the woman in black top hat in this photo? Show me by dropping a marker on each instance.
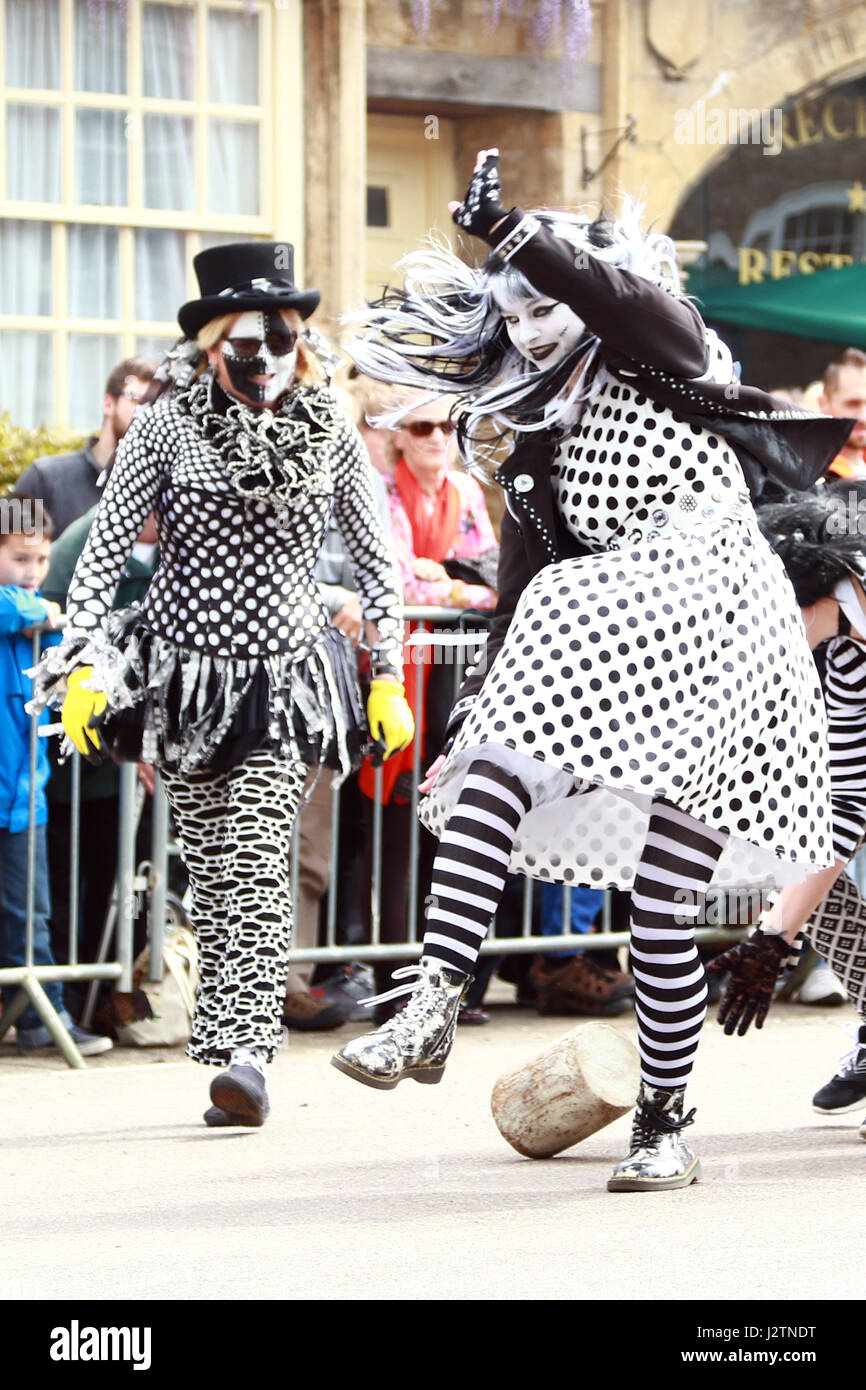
(229, 676)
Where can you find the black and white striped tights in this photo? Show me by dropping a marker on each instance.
(676, 867)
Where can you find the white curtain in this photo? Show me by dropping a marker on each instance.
(233, 58)
(94, 272)
(33, 43)
(234, 167)
(33, 152)
(101, 150)
(27, 377)
(169, 162)
(168, 47)
(160, 274)
(92, 358)
(154, 348)
(25, 255)
(100, 46)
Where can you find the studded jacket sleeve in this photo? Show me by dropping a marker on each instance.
(631, 316)
(373, 561)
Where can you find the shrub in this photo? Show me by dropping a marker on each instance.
(19, 447)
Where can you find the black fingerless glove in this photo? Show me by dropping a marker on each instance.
(755, 966)
(481, 208)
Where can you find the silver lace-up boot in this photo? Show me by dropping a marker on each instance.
(659, 1158)
(416, 1041)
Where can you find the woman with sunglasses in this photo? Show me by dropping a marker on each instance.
(229, 677)
(647, 706)
(437, 514)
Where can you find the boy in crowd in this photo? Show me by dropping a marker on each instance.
(25, 546)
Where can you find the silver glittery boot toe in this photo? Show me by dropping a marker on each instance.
(415, 1042)
(659, 1158)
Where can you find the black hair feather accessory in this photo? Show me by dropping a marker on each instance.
(814, 538)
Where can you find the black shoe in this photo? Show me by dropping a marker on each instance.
(241, 1091)
(847, 1089)
(215, 1118)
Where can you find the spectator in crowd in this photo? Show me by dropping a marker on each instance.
(70, 484)
(438, 515)
(24, 557)
(844, 396)
(371, 399)
(100, 786)
(229, 677)
(308, 1008)
(576, 982)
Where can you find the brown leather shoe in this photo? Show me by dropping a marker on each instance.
(580, 986)
(308, 1011)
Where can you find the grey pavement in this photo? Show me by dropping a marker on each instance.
(113, 1187)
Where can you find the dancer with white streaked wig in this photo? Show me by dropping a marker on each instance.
(646, 714)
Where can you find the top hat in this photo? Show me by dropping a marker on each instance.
(245, 275)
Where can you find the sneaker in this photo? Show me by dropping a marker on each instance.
(659, 1158)
(309, 1011)
(821, 988)
(580, 986)
(417, 1041)
(847, 1089)
(351, 984)
(88, 1044)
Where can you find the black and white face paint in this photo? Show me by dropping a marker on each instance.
(543, 330)
(260, 354)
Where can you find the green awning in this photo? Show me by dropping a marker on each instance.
(827, 306)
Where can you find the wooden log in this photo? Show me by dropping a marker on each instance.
(583, 1082)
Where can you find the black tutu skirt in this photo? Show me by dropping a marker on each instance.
(185, 710)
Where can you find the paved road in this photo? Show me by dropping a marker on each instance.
(113, 1187)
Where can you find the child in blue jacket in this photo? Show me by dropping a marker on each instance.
(25, 545)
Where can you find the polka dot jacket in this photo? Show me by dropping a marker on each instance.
(242, 499)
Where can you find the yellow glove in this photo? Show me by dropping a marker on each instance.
(80, 709)
(389, 716)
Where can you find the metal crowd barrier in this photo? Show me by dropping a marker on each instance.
(151, 877)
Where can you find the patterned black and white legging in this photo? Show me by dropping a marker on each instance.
(837, 930)
(235, 830)
(676, 867)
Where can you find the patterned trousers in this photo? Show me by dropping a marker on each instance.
(235, 830)
(837, 930)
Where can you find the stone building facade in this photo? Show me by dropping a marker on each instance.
(134, 133)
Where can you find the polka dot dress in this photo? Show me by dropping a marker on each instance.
(672, 663)
(241, 522)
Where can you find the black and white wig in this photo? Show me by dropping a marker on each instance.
(444, 332)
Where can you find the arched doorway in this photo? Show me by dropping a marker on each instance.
(789, 200)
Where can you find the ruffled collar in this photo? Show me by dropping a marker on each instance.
(278, 456)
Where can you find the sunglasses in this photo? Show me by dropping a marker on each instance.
(421, 429)
(279, 344)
